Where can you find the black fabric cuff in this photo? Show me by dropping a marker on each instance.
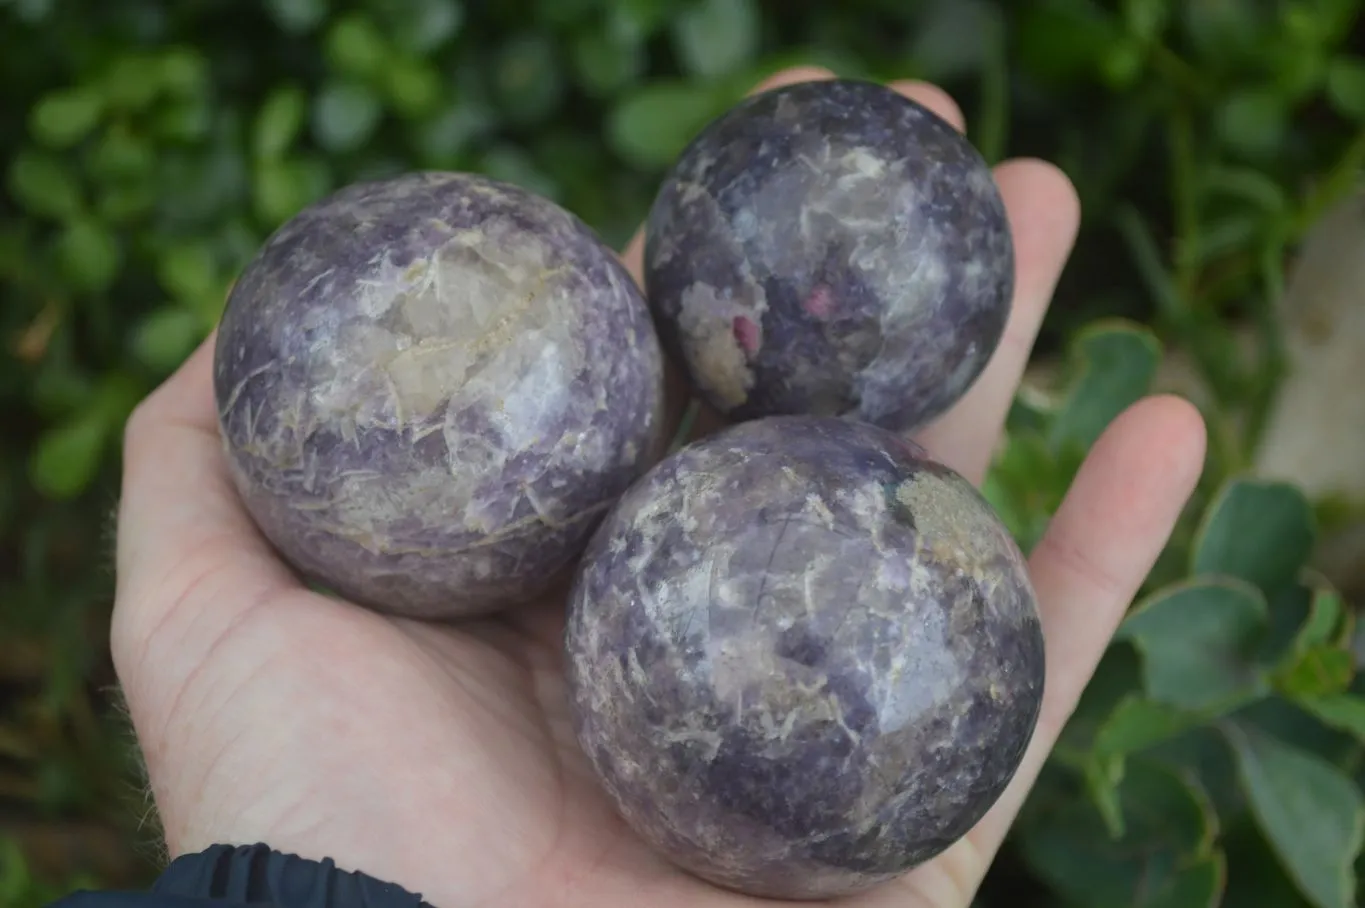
(252, 876)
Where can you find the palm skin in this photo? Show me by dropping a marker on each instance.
(441, 757)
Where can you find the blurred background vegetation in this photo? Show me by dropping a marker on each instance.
(148, 146)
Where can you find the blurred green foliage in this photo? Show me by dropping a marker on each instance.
(149, 146)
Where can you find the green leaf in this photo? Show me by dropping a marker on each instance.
(652, 126)
(121, 154)
(1116, 678)
(1146, 19)
(345, 115)
(132, 81)
(606, 59)
(119, 204)
(33, 11)
(1027, 482)
(1252, 123)
(1133, 725)
(1115, 365)
(1223, 236)
(1310, 812)
(559, 13)
(1299, 68)
(512, 165)
(1324, 622)
(1256, 878)
(426, 25)
(1197, 641)
(165, 337)
(716, 37)
(1346, 86)
(187, 120)
(188, 271)
(956, 38)
(1138, 723)
(1198, 884)
(67, 457)
(527, 83)
(355, 47)
(196, 187)
(44, 185)
(1165, 856)
(89, 254)
(1222, 31)
(281, 188)
(1259, 531)
(440, 139)
(297, 17)
(1251, 186)
(65, 117)
(1320, 671)
(279, 122)
(1344, 712)
(645, 16)
(183, 71)
(413, 86)
(1124, 64)
(1065, 42)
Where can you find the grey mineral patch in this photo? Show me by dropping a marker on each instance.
(432, 388)
(803, 657)
(830, 248)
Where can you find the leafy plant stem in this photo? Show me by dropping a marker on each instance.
(1223, 437)
(1271, 366)
(1342, 175)
(993, 128)
(1178, 71)
(1186, 204)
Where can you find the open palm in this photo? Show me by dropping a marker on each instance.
(441, 758)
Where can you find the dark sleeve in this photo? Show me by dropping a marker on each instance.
(224, 876)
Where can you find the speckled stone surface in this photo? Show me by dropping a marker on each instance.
(803, 657)
(432, 388)
(830, 248)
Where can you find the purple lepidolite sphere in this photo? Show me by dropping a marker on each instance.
(432, 388)
(830, 248)
(803, 657)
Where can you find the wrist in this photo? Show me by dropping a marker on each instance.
(256, 876)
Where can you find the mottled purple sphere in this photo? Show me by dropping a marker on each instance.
(432, 388)
(830, 248)
(803, 657)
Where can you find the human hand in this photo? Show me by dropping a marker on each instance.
(441, 758)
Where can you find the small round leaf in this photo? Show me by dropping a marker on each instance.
(606, 60)
(1252, 123)
(44, 185)
(297, 17)
(423, 26)
(1346, 86)
(67, 458)
(527, 81)
(188, 271)
(717, 37)
(165, 337)
(345, 114)
(65, 117)
(650, 127)
(355, 47)
(89, 254)
(278, 122)
(413, 87)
